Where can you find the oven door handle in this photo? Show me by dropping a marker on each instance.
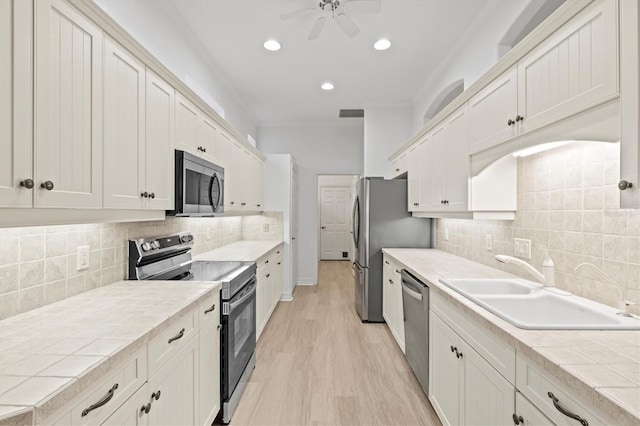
(234, 305)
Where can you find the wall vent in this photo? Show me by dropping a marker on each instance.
(351, 113)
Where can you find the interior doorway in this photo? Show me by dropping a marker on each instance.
(335, 201)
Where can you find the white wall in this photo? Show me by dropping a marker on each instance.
(385, 128)
(319, 149)
(474, 53)
(157, 26)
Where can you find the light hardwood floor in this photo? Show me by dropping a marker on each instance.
(318, 364)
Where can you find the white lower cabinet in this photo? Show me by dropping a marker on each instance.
(527, 414)
(444, 371)
(131, 412)
(269, 287)
(209, 361)
(392, 307)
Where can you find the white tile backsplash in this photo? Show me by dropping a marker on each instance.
(568, 201)
(38, 265)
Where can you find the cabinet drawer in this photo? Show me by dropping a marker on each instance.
(121, 383)
(536, 386)
(209, 310)
(497, 353)
(165, 345)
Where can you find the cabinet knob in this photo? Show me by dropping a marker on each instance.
(519, 118)
(517, 419)
(268, 275)
(152, 195)
(156, 395)
(231, 202)
(146, 408)
(243, 204)
(397, 170)
(623, 184)
(510, 122)
(48, 185)
(27, 183)
(145, 194)
(257, 205)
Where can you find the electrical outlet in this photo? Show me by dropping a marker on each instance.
(208, 234)
(489, 242)
(83, 258)
(446, 234)
(265, 227)
(522, 248)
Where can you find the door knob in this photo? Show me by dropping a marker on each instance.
(48, 185)
(623, 184)
(27, 183)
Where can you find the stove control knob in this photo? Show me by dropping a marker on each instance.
(155, 245)
(146, 246)
(185, 239)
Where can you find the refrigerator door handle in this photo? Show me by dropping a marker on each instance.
(355, 222)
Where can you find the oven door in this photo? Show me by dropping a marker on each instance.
(238, 336)
(202, 189)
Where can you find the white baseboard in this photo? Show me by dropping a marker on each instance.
(307, 283)
(286, 298)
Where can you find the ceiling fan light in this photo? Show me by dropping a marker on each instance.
(382, 44)
(327, 86)
(272, 45)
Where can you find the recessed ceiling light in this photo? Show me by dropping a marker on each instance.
(382, 44)
(327, 86)
(272, 45)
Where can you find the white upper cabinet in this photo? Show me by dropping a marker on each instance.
(124, 128)
(413, 177)
(207, 137)
(160, 142)
(630, 105)
(493, 111)
(572, 70)
(16, 172)
(195, 131)
(68, 107)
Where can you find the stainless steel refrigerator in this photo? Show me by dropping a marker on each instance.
(381, 220)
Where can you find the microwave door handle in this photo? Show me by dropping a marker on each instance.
(213, 204)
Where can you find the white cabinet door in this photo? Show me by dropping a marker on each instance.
(574, 69)
(433, 192)
(209, 376)
(424, 173)
(175, 384)
(387, 295)
(207, 136)
(68, 107)
(258, 189)
(160, 142)
(629, 104)
(455, 160)
(130, 413)
(528, 414)
(413, 177)
(124, 128)
(186, 125)
(486, 397)
(398, 309)
(16, 140)
(493, 111)
(444, 371)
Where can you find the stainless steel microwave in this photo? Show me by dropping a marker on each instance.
(199, 187)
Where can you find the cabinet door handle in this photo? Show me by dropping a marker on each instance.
(397, 170)
(517, 419)
(565, 411)
(145, 194)
(177, 336)
(156, 395)
(152, 195)
(510, 122)
(622, 185)
(268, 275)
(211, 309)
(243, 204)
(390, 281)
(48, 185)
(519, 118)
(279, 263)
(101, 402)
(453, 348)
(397, 271)
(458, 354)
(145, 408)
(27, 183)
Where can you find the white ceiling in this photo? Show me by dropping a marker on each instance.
(284, 86)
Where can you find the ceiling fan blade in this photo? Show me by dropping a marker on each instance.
(362, 6)
(347, 25)
(317, 27)
(297, 13)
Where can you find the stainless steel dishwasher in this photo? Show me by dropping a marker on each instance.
(415, 301)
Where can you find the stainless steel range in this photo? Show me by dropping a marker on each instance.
(169, 258)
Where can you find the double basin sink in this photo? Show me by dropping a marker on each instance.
(530, 306)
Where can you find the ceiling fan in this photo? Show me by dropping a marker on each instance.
(339, 11)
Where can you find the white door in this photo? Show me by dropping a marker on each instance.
(15, 104)
(335, 222)
(124, 128)
(160, 142)
(68, 107)
(294, 227)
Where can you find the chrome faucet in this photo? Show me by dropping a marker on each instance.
(547, 277)
(623, 304)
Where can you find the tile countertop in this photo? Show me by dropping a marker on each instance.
(600, 366)
(242, 251)
(51, 354)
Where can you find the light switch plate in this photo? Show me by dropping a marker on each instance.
(489, 242)
(446, 234)
(83, 258)
(522, 248)
(265, 227)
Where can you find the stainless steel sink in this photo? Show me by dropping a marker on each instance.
(528, 305)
